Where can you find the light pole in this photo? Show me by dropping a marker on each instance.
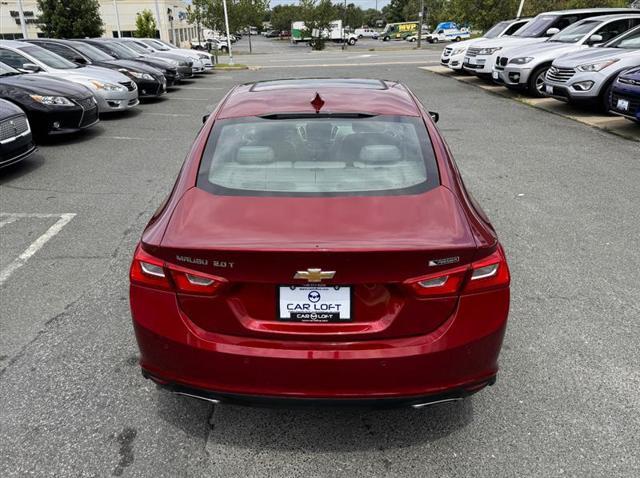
(226, 24)
(520, 9)
(344, 32)
(420, 15)
(115, 6)
(23, 24)
(158, 19)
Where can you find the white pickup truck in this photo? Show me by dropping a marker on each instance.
(448, 31)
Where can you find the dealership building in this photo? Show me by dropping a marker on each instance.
(117, 16)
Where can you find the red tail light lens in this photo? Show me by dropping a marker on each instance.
(488, 273)
(438, 284)
(150, 271)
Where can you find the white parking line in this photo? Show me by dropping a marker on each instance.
(35, 245)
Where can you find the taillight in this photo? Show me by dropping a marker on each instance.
(488, 273)
(438, 284)
(150, 271)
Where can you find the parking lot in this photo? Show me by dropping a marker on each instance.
(563, 197)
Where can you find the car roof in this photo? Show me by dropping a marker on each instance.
(588, 10)
(346, 95)
(615, 16)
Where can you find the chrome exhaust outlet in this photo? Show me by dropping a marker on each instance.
(426, 404)
(185, 394)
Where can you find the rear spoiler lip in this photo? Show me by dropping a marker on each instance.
(284, 116)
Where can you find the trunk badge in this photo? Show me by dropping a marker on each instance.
(314, 275)
(444, 262)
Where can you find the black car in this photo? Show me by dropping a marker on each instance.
(149, 80)
(16, 141)
(172, 72)
(53, 105)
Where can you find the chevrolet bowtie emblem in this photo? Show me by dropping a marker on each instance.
(314, 275)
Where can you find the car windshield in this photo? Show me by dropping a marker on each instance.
(91, 52)
(137, 48)
(48, 58)
(575, 32)
(318, 156)
(629, 40)
(496, 30)
(123, 51)
(536, 27)
(164, 44)
(6, 70)
(154, 45)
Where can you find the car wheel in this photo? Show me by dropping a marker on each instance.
(224, 49)
(352, 41)
(458, 39)
(435, 40)
(536, 81)
(605, 96)
(412, 40)
(359, 36)
(387, 38)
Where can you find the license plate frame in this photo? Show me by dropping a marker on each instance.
(314, 313)
(548, 89)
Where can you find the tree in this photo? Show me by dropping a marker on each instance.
(70, 18)
(318, 16)
(196, 13)
(145, 25)
(282, 16)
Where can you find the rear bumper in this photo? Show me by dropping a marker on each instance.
(455, 360)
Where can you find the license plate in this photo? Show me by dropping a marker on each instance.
(495, 75)
(314, 304)
(548, 89)
(472, 61)
(623, 104)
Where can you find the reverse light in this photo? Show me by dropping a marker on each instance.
(149, 271)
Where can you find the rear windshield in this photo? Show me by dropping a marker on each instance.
(319, 156)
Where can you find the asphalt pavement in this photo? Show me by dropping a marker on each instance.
(563, 197)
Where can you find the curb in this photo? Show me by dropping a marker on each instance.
(611, 124)
(230, 68)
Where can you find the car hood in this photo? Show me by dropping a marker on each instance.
(8, 109)
(466, 43)
(88, 73)
(43, 84)
(506, 42)
(543, 51)
(135, 66)
(431, 220)
(572, 60)
(633, 74)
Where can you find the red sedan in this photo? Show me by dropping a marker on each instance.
(319, 245)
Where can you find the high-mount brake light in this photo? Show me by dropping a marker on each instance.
(150, 271)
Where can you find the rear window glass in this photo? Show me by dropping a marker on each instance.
(319, 156)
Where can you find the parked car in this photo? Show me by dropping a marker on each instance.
(211, 44)
(149, 80)
(414, 38)
(134, 43)
(481, 57)
(524, 68)
(588, 76)
(205, 58)
(448, 31)
(366, 32)
(453, 55)
(16, 140)
(113, 90)
(171, 69)
(272, 34)
(625, 95)
(54, 106)
(403, 300)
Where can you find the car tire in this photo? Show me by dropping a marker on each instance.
(387, 38)
(458, 39)
(352, 41)
(536, 81)
(359, 36)
(412, 40)
(603, 99)
(435, 40)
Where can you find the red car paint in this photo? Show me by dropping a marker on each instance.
(219, 338)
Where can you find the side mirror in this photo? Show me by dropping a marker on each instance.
(434, 116)
(205, 118)
(30, 68)
(80, 60)
(593, 39)
(552, 31)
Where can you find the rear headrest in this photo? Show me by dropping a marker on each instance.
(255, 154)
(380, 153)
